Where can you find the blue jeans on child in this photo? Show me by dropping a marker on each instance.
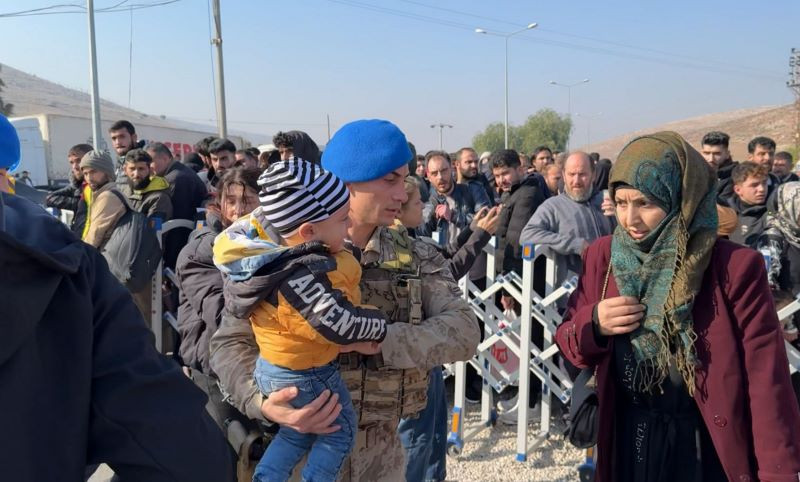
(326, 453)
(425, 438)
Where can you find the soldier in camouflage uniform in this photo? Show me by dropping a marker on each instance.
(407, 279)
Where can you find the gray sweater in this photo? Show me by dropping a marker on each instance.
(562, 226)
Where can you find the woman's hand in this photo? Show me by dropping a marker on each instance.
(619, 315)
(316, 417)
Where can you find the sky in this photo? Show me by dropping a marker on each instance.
(294, 64)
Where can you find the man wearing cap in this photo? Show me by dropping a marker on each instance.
(106, 207)
(408, 280)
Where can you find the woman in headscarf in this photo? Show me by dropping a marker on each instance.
(682, 333)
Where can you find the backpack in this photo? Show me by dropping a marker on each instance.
(133, 251)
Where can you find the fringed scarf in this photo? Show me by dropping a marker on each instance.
(665, 269)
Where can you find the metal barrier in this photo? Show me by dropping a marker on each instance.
(157, 315)
(516, 335)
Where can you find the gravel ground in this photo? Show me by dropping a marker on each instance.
(491, 455)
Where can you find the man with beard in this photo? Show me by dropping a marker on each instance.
(782, 167)
(467, 165)
(541, 157)
(553, 177)
(123, 139)
(106, 207)
(567, 224)
(520, 196)
(148, 195)
(451, 205)
(72, 196)
(222, 153)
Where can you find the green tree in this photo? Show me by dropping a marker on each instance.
(491, 139)
(5, 108)
(545, 127)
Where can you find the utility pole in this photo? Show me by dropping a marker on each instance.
(589, 127)
(222, 118)
(97, 133)
(794, 84)
(441, 128)
(506, 36)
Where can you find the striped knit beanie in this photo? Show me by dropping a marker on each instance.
(294, 192)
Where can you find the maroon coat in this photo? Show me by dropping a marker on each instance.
(742, 383)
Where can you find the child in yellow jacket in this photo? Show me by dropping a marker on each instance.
(304, 299)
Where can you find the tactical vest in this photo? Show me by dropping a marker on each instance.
(394, 286)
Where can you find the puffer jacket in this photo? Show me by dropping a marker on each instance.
(302, 301)
(152, 201)
(200, 298)
(519, 205)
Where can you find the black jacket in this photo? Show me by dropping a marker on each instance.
(70, 197)
(518, 206)
(187, 193)
(752, 221)
(725, 182)
(83, 382)
(201, 300)
(468, 248)
(186, 190)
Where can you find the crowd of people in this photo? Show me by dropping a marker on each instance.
(313, 297)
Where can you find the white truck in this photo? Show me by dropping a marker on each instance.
(45, 140)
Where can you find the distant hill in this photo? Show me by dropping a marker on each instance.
(742, 125)
(32, 95)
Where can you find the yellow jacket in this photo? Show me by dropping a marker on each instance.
(105, 209)
(302, 301)
(286, 337)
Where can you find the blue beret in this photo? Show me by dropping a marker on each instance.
(365, 150)
(9, 145)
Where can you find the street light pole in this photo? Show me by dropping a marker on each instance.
(222, 117)
(505, 123)
(97, 135)
(506, 37)
(588, 127)
(441, 128)
(569, 98)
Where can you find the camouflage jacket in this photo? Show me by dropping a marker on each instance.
(448, 332)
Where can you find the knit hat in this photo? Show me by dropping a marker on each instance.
(101, 161)
(365, 150)
(294, 192)
(9, 145)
